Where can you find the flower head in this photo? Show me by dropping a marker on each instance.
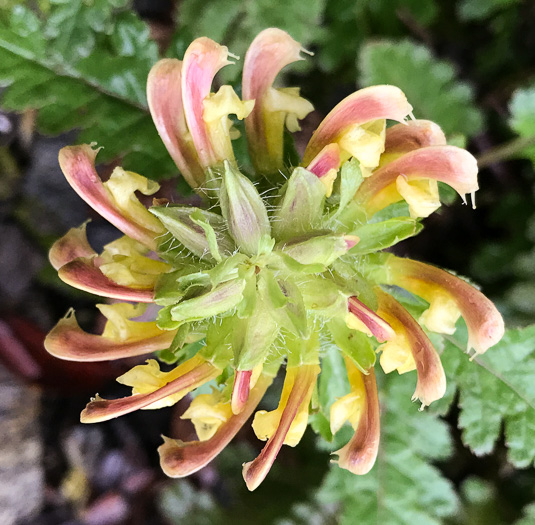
(270, 274)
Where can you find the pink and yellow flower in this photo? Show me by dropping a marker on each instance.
(257, 287)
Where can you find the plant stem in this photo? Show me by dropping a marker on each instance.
(505, 151)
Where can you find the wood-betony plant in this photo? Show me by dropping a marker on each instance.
(254, 283)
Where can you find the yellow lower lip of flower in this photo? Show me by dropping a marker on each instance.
(122, 186)
(365, 142)
(175, 388)
(207, 413)
(217, 107)
(484, 322)
(350, 406)
(421, 196)
(147, 378)
(396, 355)
(179, 459)
(120, 327)
(431, 380)
(266, 423)
(442, 314)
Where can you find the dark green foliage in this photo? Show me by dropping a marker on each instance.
(85, 68)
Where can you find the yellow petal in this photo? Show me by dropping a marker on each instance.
(122, 185)
(421, 196)
(122, 262)
(288, 101)
(365, 142)
(344, 409)
(396, 354)
(217, 107)
(225, 102)
(431, 379)
(356, 324)
(442, 314)
(328, 181)
(207, 413)
(148, 378)
(119, 326)
(266, 423)
(349, 407)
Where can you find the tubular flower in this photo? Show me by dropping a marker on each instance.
(243, 286)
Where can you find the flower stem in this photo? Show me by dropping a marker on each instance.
(505, 151)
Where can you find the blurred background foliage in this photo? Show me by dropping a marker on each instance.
(75, 70)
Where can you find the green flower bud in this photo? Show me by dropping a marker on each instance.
(222, 298)
(301, 207)
(243, 210)
(200, 231)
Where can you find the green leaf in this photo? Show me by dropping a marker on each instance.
(292, 315)
(497, 389)
(73, 26)
(200, 220)
(481, 9)
(316, 248)
(431, 85)
(332, 384)
(528, 515)
(178, 351)
(270, 290)
(380, 235)
(522, 120)
(211, 19)
(246, 307)
(254, 336)
(351, 23)
(350, 180)
(227, 269)
(403, 487)
(164, 320)
(181, 501)
(323, 296)
(86, 71)
(355, 345)
(200, 231)
(167, 292)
